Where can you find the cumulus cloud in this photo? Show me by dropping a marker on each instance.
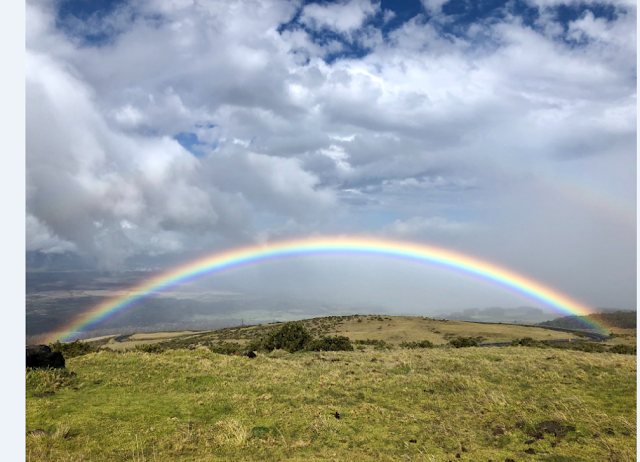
(316, 119)
(342, 17)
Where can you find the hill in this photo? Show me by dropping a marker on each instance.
(391, 329)
(424, 404)
(619, 319)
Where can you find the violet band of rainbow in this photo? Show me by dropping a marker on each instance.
(222, 261)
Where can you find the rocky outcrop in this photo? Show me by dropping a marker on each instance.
(41, 357)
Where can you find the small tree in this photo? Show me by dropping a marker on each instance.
(292, 336)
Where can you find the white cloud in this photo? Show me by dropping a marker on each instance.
(433, 6)
(422, 228)
(343, 17)
(424, 125)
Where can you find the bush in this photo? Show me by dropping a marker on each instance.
(292, 336)
(524, 341)
(150, 348)
(413, 345)
(72, 349)
(377, 344)
(623, 349)
(330, 344)
(463, 342)
(227, 348)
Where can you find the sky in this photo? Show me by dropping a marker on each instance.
(160, 131)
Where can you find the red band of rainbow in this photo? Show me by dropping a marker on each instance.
(218, 262)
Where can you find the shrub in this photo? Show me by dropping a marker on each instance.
(524, 341)
(292, 336)
(337, 343)
(72, 349)
(463, 342)
(228, 348)
(377, 344)
(623, 349)
(588, 347)
(413, 345)
(150, 348)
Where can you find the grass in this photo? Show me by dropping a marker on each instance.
(422, 405)
(393, 330)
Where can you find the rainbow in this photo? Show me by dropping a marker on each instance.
(253, 254)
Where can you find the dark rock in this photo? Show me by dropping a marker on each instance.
(413, 441)
(249, 354)
(41, 357)
(530, 451)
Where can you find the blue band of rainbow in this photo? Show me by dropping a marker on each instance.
(222, 261)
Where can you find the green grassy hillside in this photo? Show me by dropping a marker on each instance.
(392, 329)
(436, 404)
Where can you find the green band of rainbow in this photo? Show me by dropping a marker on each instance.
(315, 246)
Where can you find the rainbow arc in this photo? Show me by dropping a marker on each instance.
(250, 255)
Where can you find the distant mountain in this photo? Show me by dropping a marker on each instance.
(621, 319)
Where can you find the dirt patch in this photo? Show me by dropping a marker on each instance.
(551, 427)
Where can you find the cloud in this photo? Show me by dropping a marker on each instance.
(423, 228)
(430, 131)
(433, 6)
(39, 237)
(342, 17)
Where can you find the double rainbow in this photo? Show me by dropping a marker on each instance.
(218, 262)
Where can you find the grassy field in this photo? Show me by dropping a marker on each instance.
(392, 329)
(440, 404)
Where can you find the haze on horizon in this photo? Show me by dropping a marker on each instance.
(159, 131)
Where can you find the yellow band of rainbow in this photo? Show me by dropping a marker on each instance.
(218, 262)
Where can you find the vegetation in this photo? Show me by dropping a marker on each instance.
(623, 349)
(621, 319)
(377, 344)
(414, 345)
(336, 343)
(587, 347)
(291, 337)
(436, 404)
(226, 348)
(73, 349)
(150, 348)
(464, 342)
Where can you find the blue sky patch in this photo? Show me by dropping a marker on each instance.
(190, 142)
(73, 13)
